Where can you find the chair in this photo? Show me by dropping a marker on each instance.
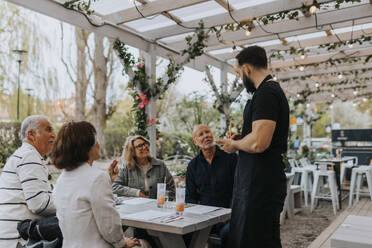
(356, 177)
(286, 208)
(305, 181)
(348, 165)
(323, 172)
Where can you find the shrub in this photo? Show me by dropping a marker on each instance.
(9, 140)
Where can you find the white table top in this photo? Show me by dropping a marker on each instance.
(355, 232)
(189, 222)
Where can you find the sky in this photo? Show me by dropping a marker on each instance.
(190, 80)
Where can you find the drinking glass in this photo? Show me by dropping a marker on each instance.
(161, 195)
(180, 200)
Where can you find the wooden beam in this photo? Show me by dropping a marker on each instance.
(352, 53)
(56, 10)
(311, 42)
(149, 9)
(266, 37)
(293, 27)
(321, 70)
(224, 5)
(220, 19)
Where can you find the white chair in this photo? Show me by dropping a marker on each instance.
(356, 177)
(305, 182)
(348, 165)
(286, 208)
(323, 172)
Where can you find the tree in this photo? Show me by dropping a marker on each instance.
(103, 65)
(225, 96)
(79, 76)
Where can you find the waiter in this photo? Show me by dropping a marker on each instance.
(260, 181)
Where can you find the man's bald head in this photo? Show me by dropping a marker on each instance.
(203, 136)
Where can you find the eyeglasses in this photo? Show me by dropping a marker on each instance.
(142, 145)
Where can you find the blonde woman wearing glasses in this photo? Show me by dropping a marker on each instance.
(140, 174)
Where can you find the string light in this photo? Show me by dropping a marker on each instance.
(350, 44)
(340, 76)
(248, 32)
(331, 107)
(313, 9)
(298, 95)
(364, 99)
(303, 56)
(302, 68)
(333, 95)
(275, 78)
(355, 92)
(307, 105)
(317, 85)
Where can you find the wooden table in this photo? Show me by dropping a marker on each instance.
(355, 232)
(336, 162)
(171, 234)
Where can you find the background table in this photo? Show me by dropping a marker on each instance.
(170, 234)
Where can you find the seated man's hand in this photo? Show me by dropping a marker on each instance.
(113, 170)
(130, 242)
(227, 145)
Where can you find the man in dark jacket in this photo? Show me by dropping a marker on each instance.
(210, 176)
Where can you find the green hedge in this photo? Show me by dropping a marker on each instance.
(9, 139)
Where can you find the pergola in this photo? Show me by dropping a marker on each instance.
(159, 28)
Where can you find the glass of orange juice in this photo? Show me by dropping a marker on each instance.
(180, 200)
(161, 194)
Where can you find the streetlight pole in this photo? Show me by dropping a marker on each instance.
(28, 101)
(19, 60)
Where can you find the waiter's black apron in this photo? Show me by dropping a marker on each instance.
(259, 193)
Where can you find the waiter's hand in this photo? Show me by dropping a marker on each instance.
(227, 145)
(233, 136)
(113, 170)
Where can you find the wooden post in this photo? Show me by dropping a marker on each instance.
(150, 67)
(223, 92)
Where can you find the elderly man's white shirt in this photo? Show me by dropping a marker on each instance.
(25, 192)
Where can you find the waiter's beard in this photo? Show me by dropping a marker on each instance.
(248, 84)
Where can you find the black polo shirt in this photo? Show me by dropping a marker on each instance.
(211, 184)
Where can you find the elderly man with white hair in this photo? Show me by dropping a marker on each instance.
(25, 192)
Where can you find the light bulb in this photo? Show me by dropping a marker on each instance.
(248, 32)
(303, 56)
(317, 85)
(333, 95)
(355, 92)
(331, 107)
(275, 78)
(298, 95)
(350, 45)
(364, 99)
(313, 9)
(340, 76)
(307, 105)
(302, 68)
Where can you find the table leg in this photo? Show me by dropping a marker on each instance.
(200, 238)
(337, 171)
(168, 240)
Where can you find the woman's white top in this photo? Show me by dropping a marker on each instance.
(86, 209)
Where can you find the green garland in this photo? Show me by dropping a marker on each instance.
(139, 86)
(82, 6)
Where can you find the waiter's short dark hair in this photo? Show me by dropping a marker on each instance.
(72, 145)
(253, 55)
